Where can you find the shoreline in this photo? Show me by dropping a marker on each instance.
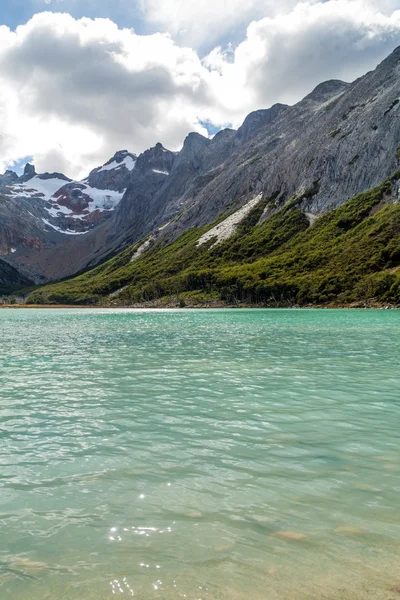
(215, 305)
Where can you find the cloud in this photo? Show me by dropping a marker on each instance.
(76, 90)
(284, 56)
(89, 88)
(206, 23)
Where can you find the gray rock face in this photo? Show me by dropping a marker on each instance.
(47, 176)
(339, 140)
(158, 160)
(326, 90)
(139, 204)
(258, 119)
(192, 149)
(10, 278)
(8, 178)
(29, 172)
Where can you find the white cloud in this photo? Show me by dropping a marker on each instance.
(205, 23)
(75, 91)
(283, 57)
(86, 88)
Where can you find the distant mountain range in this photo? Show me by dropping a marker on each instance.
(342, 139)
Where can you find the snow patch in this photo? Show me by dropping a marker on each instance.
(122, 289)
(142, 248)
(66, 231)
(99, 200)
(13, 250)
(35, 186)
(227, 228)
(311, 218)
(111, 166)
(55, 210)
(164, 226)
(128, 162)
(53, 203)
(48, 187)
(102, 199)
(160, 172)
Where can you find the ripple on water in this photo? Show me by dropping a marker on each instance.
(199, 454)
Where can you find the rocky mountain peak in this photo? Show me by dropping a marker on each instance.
(190, 157)
(29, 172)
(223, 135)
(115, 174)
(157, 159)
(120, 157)
(29, 169)
(392, 60)
(193, 145)
(47, 176)
(258, 119)
(8, 178)
(195, 140)
(328, 89)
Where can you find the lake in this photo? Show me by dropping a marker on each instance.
(194, 454)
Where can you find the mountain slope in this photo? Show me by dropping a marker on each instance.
(39, 212)
(341, 139)
(350, 254)
(11, 280)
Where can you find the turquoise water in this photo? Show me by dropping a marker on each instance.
(231, 454)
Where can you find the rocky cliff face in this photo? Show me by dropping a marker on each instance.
(11, 278)
(115, 174)
(341, 139)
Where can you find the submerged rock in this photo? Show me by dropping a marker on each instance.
(291, 535)
(24, 563)
(349, 530)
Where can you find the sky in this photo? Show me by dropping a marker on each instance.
(81, 79)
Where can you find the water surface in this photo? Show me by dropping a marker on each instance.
(230, 454)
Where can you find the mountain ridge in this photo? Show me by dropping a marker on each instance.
(351, 254)
(341, 139)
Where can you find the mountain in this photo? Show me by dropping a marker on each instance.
(350, 254)
(38, 212)
(340, 140)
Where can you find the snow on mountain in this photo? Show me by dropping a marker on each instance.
(67, 206)
(64, 231)
(115, 174)
(160, 172)
(47, 187)
(128, 162)
(79, 199)
(39, 212)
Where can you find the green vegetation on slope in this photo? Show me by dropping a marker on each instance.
(351, 254)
